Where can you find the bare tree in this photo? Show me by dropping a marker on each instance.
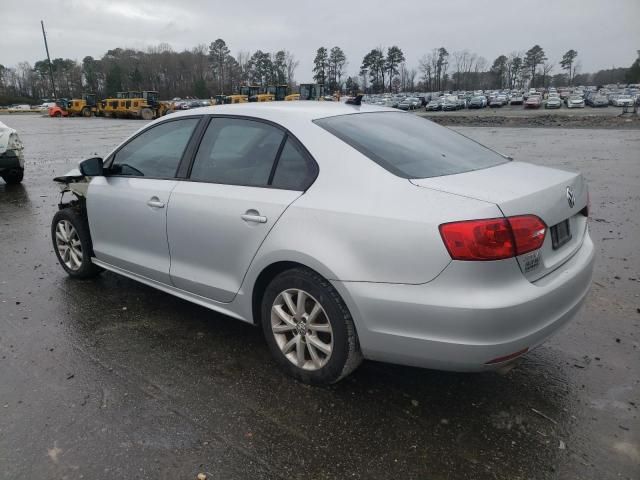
(425, 65)
(479, 68)
(242, 57)
(292, 65)
(411, 79)
(546, 70)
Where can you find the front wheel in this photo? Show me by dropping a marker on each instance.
(72, 243)
(308, 328)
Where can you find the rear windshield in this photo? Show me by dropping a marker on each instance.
(410, 146)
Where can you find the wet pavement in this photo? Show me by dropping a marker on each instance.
(108, 378)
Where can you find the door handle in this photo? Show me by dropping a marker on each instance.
(155, 202)
(253, 216)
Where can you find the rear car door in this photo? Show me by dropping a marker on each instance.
(245, 174)
(127, 207)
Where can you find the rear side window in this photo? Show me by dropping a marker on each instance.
(410, 146)
(294, 170)
(237, 152)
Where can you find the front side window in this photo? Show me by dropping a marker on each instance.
(237, 152)
(156, 152)
(409, 146)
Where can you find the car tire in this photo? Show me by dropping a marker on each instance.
(72, 243)
(86, 112)
(332, 326)
(14, 176)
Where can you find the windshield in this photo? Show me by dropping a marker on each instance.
(410, 146)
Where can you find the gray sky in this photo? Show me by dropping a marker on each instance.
(604, 32)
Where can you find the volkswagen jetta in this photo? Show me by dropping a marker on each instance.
(344, 231)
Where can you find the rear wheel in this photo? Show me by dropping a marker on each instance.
(14, 176)
(57, 114)
(308, 328)
(72, 243)
(86, 112)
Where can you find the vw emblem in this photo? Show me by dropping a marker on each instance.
(571, 198)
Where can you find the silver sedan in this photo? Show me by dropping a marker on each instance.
(344, 231)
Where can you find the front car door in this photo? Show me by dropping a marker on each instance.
(244, 176)
(127, 207)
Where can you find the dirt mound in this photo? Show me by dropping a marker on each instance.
(547, 121)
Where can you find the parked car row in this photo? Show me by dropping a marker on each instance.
(549, 98)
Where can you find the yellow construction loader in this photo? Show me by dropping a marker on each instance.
(135, 104)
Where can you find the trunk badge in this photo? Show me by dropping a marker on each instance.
(571, 198)
(531, 261)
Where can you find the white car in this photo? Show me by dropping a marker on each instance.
(623, 100)
(11, 155)
(45, 106)
(344, 231)
(575, 101)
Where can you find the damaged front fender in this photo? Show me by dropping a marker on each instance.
(74, 182)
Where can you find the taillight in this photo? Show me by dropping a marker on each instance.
(493, 238)
(529, 232)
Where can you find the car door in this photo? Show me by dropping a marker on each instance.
(243, 177)
(127, 207)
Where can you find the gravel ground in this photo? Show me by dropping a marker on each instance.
(112, 379)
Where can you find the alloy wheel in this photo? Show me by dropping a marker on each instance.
(68, 245)
(301, 329)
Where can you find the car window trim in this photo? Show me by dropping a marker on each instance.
(184, 167)
(287, 134)
(276, 161)
(113, 155)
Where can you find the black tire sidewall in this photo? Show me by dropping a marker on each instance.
(328, 298)
(87, 268)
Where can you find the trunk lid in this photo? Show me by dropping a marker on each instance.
(519, 188)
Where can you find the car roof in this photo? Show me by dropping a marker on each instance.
(285, 112)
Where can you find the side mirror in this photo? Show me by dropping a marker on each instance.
(92, 167)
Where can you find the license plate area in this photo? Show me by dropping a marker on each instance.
(560, 234)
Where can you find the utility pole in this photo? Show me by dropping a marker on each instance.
(53, 85)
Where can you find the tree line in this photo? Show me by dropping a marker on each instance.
(205, 70)
(440, 70)
(200, 72)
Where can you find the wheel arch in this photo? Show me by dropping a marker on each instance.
(269, 271)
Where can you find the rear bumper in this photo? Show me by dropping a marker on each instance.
(469, 315)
